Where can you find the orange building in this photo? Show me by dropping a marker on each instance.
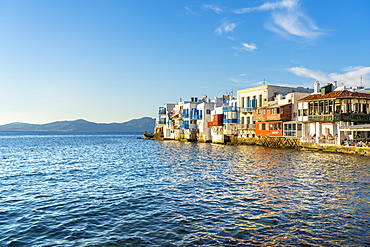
(270, 119)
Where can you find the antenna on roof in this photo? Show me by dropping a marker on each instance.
(361, 82)
(264, 81)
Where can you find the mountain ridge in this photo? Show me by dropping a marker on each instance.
(81, 125)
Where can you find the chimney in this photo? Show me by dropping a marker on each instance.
(334, 83)
(316, 87)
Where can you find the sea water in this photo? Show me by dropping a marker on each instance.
(94, 189)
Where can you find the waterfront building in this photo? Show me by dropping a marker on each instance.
(225, 116)
(187, 120)
(332, 114)
(252, 98)
(278, 118)
(200, 117)
(163, 122)
(185, 128)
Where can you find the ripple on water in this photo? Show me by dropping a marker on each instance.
(116, 190)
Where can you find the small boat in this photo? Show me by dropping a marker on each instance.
(148, 135)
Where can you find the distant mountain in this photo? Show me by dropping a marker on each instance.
(80, 125)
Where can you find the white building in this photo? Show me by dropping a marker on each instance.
(328, 114)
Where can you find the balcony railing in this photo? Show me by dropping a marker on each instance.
(231, 109)
(230, 120)
(193, 117)
(247, 109)
(345, 117)
(162, 121)
(184, 126)
(246, 126)
(185, 115)
(162, 111)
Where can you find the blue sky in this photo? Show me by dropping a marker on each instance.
(115, 60)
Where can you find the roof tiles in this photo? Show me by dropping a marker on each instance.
(335, 95)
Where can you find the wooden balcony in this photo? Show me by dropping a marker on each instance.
(273, 117)
(217, 120)
(336, 117)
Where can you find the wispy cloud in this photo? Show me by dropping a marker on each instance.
(240, 82)
(244, 83)
(350, 76)
(245, 47)
(284, 4)
(190, 10)
(226, 27)
(287, 19)
(213, 7)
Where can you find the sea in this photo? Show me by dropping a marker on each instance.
(98, 189)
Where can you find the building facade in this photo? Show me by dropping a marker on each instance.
(251, 98)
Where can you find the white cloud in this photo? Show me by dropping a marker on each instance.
(225, 28)
(287, 19)
(249, 47)
(349, 77)
(245, 47)
(303, 72)
(212, 7)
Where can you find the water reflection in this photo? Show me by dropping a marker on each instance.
(273, 196)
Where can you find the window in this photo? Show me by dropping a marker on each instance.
(260, 100)
(263, 126)
(208, 111)
(242, 120)
(243, 102)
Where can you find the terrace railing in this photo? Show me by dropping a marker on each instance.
(247, 126)
(336, 117)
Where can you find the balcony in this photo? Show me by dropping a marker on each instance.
(345, 117)
(217, 121)
(230, 121)
(195, 130)
(174, 115)
(247, 109)
(273, 117)
(185, 115)
(196, 114)
(231, 109)
(184, 126)
(247, 126)
(162, 111)
(161, 121)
